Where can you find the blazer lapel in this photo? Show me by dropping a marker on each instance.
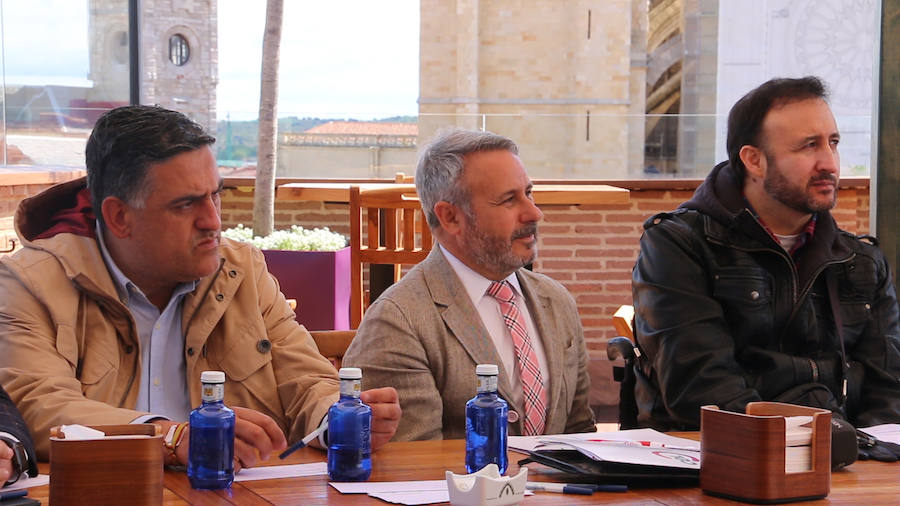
(461, 317)
(541, 309)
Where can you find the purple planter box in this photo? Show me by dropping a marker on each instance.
(319, 281)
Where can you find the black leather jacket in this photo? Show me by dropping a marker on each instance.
(724, 316)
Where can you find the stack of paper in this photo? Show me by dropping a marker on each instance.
(797, 444)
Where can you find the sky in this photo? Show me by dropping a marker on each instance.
(339, 58)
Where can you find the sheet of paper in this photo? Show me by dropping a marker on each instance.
(889, 432)
(368, 487)
(289, 471)
(413, 498)
(38, 481)
(525, 444)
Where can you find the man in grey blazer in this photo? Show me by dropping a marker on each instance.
(425, 335)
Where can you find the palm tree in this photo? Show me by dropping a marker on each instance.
(264, 195)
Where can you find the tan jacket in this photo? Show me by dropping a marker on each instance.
(424, 337)
(69, 351)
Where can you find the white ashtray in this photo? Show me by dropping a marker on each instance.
(486, 487)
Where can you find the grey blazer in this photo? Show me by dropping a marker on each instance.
(424, 337)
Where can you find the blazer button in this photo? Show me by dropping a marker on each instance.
(264, 345)
(220, 297)
(513, 416)
(754, 295)
(129, 348)
(232, 273)
(191, 352)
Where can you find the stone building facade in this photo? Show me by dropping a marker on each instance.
(189, 87)
(569, 87)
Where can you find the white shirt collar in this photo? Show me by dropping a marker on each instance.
(475, 284)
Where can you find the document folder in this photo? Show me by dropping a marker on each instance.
(587, 470)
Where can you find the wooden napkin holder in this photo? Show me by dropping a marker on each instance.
(742, 454)
(126, 467)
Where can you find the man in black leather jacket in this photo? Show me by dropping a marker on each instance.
(734, 290)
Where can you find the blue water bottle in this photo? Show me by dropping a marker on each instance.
(349, 431)
(211, 450)
(486, 419)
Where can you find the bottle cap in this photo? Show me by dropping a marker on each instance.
(212, 377)
(350, 373)
(487, 370)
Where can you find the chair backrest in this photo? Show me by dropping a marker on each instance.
(333, 344)
(623, 321)
(622, 347)
(397, 234)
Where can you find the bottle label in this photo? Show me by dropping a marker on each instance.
(213, 392)
(350, 388)
(487, 383)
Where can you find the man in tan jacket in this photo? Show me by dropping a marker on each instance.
(472, 302)
(125, 292)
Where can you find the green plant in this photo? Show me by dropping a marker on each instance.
(295, 239)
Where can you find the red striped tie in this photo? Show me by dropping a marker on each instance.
(526, 359)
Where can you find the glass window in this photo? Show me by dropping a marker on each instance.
(66, 62)
(179, 51)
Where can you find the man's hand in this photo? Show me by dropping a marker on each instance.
(6, 456)
(256, 437)
(385, 404)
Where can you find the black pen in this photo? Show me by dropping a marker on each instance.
(563, 488)
(604, 487)
(303, 442)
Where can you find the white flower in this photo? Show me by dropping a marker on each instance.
(295, 239)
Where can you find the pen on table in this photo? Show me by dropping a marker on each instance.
(645, 444)
(303, 442)
(563, 488)
(602, 488)
(13, 494)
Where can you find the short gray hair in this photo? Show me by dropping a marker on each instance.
(441, 163)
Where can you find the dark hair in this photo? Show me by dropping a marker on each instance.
(127, 141)
(746, 117)
(441, 164)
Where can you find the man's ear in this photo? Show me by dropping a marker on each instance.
(754, 160)
(117, 215)
(450, 217)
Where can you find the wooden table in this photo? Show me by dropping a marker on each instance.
(544, 194)
(863, 482)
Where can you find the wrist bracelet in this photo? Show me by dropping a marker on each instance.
(173, 440)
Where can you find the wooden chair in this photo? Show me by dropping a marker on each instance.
(397, 234)
(333, 344)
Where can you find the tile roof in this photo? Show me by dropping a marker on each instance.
(364, 128)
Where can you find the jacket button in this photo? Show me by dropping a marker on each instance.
(264, 345)
(868, 307)
(232, 273)
(657, 221)
(220, 297)
(513, 417)
(129, 348)
(191, 352)
(754, 295)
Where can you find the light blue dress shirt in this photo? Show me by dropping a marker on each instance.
(163, 384)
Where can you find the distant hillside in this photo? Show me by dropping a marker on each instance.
(236, 140)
